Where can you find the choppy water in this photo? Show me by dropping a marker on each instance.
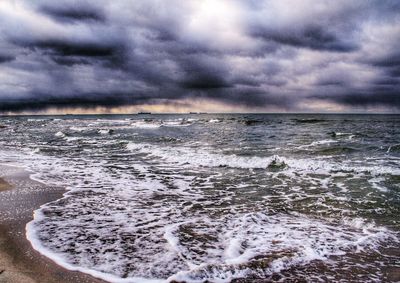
(216, 198)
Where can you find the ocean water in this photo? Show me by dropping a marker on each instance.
(215, 198)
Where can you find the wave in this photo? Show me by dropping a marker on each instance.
(60, 134)
(146, 124)
(394, 148)
(106, 131)
(318, 143)
(252, 122)
(201, 157)
(194, 248)
(183, 155)
(256, 245)
(336, 150)
(349, 136)
(36, 120)
(77, 129)
(309, 121)
(115, 224)
(214, 121)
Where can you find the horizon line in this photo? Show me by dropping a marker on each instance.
(207, 113)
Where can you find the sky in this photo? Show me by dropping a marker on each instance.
(100, 56)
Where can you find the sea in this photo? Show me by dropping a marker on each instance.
(215, 197)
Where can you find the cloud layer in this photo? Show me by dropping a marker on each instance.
(261, 55)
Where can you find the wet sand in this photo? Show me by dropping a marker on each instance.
(19, 262)
(4, 185)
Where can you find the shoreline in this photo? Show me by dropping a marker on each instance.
(4, 185)
(19, 262)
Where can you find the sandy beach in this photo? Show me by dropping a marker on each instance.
(19, 263)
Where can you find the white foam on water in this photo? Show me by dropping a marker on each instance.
(31, 234)
(146, 124)
(281, 241)
(78, 129)
(72, 139)
(112, 121)
(36, 120)
(317, 143)
(342, 134)
(177, 122)
(36, 150)
(105, 131)
(59, 134)
(116, 221)
(201, 157)
(377, 184)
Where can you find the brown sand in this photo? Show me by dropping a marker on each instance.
(4, 185)
(19, 262)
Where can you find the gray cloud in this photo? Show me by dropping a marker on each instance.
(6, 58)
(381, 96)
(312, 36)
(73, 11)
(256, 54)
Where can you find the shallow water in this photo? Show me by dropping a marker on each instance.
(216, 197)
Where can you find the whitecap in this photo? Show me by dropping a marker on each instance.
(105, 131)
(200, 157)
(146, 124)
(59, 134)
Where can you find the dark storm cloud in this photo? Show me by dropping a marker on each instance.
(312, 36)
(390, 64)
(67, 13)
(65, 48)
(6, 58)
(387, 81)
(332, 82)
(68, 61)
(83, 100)
(254, 54)
(394, 72)
(201, 73)
(392, 60)
(254, 98)
(386, 97)
(204, 81)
